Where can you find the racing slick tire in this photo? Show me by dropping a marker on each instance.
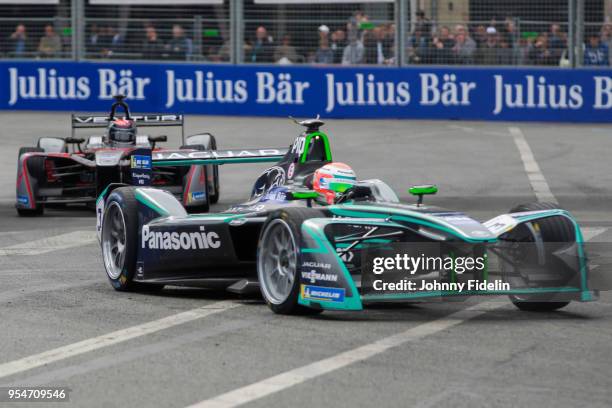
(553, 229)
(278, 260)
(119, 239)
(36, 170)
(206, 141)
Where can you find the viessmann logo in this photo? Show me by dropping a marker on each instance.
(180, 240)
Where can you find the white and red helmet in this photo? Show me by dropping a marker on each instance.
(333, 179)
(122, 131)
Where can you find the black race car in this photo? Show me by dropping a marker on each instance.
(304, 252)
(73, 170)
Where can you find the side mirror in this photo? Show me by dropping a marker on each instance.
(74, 140)
(156, 139)
(420, 191)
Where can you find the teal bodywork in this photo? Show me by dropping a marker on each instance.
(317, 242)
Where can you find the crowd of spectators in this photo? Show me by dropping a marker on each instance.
(501, 43)
(20, 44)
(358, 41)
(108, 42)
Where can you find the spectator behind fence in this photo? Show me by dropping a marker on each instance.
(50, 45)
(179, 47)
(354, 51)
(94, 41)
(18, 42)
(596, 53)
(323, 31)
(512, 41)
(489, 52)
(324, 54)
(261, 49)
(286, 53)
(480, 36)
(152, 47)
(417, 50)
(606, 38)
(338, 42)
(540, 53)
(422, 25)
(111, 42)
(442, 47)
(465, 47)
(556, 42)
(378, 47)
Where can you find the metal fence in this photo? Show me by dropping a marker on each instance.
(561, 33)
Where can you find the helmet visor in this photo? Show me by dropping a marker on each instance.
(340, 186)
(123, 135)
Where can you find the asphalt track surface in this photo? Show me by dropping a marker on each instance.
(62, 324)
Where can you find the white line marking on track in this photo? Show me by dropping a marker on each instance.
(109, 339)
(299, 375)
(49, 244)
(536, 178)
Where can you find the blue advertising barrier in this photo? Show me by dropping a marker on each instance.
(335, 92)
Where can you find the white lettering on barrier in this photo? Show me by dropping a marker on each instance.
(534, 94)
(205, 88)
(47, 84)
(603, 92)
(365, 91)
(111, 84)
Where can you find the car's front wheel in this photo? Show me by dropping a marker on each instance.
(119, 238)
(552, 230)
(278, 259)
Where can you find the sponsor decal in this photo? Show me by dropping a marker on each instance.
(246, 208)
(346, 256)
(175, 241)
(314, 264)
(139, 270)
(141, 179)
(141, 162)
(311, 292)
(222, 154)
(23, 200)
(276, 195)
(351, 92)
(197, 195)
(291, 170)
(313, 276)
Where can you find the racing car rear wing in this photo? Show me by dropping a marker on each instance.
(199, 157)
(149, 120)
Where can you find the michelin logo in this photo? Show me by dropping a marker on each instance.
(180, 240)
(197, 195)
(322, 293)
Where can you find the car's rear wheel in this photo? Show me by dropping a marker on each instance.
(278, 259)
(552, 229)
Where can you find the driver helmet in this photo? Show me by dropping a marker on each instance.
(333, 179)
(122, 131)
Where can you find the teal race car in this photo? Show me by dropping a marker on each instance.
(307, 253)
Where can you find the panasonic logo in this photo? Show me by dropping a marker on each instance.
(180, 240)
